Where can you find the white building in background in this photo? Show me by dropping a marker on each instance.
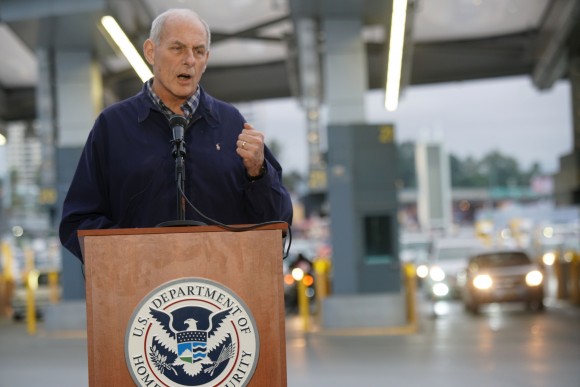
(433, 186)
(24, 157)
(5, 192)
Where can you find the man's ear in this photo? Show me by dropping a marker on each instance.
(149, 51)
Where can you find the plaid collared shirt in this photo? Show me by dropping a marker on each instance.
(188, 106)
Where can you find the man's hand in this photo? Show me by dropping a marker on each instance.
(250, 147)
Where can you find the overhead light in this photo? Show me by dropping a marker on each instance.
(126, 47)
(2, 139)
(394, 64)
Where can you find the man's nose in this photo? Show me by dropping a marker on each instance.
(189, 58)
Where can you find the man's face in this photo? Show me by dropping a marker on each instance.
(179, 59)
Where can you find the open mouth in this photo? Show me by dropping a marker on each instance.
(184, 76)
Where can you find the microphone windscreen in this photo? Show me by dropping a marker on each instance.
(177, 120)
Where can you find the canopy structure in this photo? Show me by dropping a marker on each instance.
(254, 54)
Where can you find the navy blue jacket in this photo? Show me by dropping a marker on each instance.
(126, 174)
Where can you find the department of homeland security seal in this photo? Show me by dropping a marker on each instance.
(192, 332)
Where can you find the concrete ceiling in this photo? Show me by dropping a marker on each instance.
(253, 55)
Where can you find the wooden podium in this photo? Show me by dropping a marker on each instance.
(125, 266)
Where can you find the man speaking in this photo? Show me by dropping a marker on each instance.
(126, 174)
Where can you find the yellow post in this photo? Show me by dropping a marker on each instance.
(53, 286)
(321, 268)
(302, 302)
(8, 277)
(410, 282)
(31, 286)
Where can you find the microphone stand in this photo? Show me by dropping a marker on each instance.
(178, 153)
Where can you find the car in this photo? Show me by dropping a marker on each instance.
(503, 276)
(43, 295)
(299, 263)
(414, 249)
(445, 263)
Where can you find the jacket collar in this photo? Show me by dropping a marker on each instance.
(207, 107)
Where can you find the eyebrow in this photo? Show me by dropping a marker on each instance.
(180, 43)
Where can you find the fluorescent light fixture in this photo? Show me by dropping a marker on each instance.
(395, 61)
(126, 47)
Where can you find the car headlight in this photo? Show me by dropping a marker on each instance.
(297, 274)
(549, 258)
(482, 281)
(422, 271)
(437, 274)
(534, 278)
(440, 289)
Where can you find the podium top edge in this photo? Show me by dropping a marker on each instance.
(178, 230)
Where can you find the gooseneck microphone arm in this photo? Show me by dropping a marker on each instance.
(178, 124)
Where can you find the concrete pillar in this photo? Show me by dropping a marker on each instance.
(345, 70)
(45, 115)
(574, 76)
(567, 180)
(75, 88)
(78, 92)
(311, 98)
(345, 82)
(361, 189)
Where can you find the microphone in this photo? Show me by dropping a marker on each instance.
(177, 124)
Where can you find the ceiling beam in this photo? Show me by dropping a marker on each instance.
(552, 54)
(251, 33)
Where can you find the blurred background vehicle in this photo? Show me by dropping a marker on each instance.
(298, 266)
(299, 269)
(502, 276)
(415, 248)
(447, 260)
(44, 294)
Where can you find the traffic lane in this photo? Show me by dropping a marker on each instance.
(521, 347)
(505, 346)
(48, 360)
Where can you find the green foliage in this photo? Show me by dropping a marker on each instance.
(494, 170)
(292, 180)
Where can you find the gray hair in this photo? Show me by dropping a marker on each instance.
(159, 22)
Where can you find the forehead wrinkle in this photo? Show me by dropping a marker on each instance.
(180, 43)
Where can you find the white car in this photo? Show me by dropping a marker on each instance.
(447, 261)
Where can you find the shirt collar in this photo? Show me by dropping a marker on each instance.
(206, 109)
(189, 106)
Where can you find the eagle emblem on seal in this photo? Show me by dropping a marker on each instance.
(190, 336)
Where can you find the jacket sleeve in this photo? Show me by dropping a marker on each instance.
(267, 199)
(85, 206)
